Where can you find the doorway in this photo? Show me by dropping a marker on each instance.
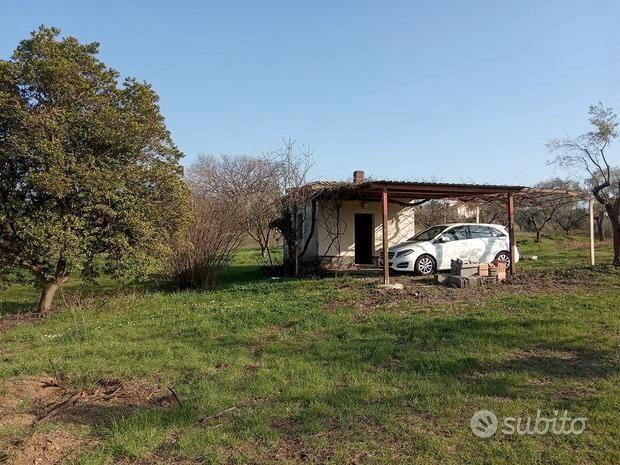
(364, 238)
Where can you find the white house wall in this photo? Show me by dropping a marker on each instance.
(401, 226)
(312, 250)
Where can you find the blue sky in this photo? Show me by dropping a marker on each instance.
(456, 90)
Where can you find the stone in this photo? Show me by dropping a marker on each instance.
(395, 286)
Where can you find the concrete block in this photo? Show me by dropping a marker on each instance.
(468, 270)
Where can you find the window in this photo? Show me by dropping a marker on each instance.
(428, 234)
(477, 232)
(458, 233)
(497, 232)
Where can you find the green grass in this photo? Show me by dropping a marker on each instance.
(333, 371)
(559, 250)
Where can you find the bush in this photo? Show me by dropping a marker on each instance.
(212, 237)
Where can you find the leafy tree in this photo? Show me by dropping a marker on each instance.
(91, 180)
(588, 155)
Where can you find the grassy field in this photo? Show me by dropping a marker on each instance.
(331, 370)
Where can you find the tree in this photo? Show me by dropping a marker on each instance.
(297, 209)
(435, 212)
(599, 217)
(569, 217)
(537, 211)
(249, 182)
(211, 238)
(333, 225)
(571, 213)
(493, 211)
(587, 154)
(91, 180)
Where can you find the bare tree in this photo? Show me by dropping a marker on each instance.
(250, 183)
(571, 213)
(534, 217)
(587, 154)
(569, 217)
(537, 212)
(298, 203)
(331, 222)
(212, 236)
(435, 212)
(493, 211)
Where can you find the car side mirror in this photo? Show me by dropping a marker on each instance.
(444, 239)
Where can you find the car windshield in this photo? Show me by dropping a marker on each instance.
(428, 234)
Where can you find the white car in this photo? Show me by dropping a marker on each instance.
(435, 247)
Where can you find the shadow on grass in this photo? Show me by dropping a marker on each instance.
(8, 307)
(24, 298)
(484, 355)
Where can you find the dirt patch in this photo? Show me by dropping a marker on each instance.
(370, 297)
(26, 404)
(421, 293)
(424, 294)
(553, 277)
(46, 448)
(8, 321)
(587, 365)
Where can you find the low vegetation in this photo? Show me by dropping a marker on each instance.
(332, 370)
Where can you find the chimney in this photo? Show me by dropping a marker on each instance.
(358, 176)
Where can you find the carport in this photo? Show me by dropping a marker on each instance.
(416, 193)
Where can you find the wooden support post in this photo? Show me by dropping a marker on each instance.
(384, 215)
(477, 213)
(591, 210)
(511, 233)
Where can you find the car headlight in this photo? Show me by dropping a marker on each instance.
(404, 253)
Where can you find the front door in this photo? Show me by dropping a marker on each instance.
(364, 238)
(455, 246)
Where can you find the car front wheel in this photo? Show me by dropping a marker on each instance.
(504, 257)
(425, 265)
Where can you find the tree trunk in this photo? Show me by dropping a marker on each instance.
(47, 296)
(538, 232)
(600, 226)
(296, 263)
(613, 212)
(615, 230)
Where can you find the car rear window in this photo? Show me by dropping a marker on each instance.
(476, 232)
(457, 233)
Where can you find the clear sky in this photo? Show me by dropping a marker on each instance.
(455, 90)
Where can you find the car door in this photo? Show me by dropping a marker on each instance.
(500, 241)
(481, 244)
(450, 246)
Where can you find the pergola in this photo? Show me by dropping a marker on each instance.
(406, 193)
